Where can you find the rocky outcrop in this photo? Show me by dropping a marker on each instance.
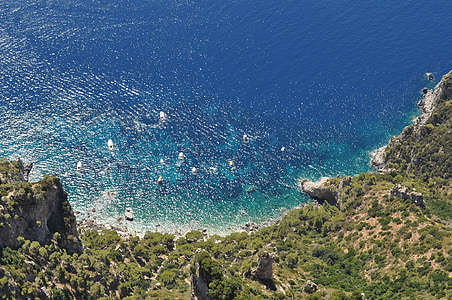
(34, 211)
(199, 287)
(18, 172)
(318, 190)
(401, 191)
(202, 275)
(378, 160)
(431, 98)
(426, 105)
(310, 287)
(321, 191)
(264, 269)
(25, 170)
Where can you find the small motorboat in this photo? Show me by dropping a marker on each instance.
(181, 155)
(245, 138)
(163, 116)
(110, 144)
(128, 214)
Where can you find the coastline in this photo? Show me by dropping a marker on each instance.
(426, 105)
(320, 191)
(126, 232)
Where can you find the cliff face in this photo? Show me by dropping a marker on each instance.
(34, 211)
(323, 191)
(201, 277)
(318, 190)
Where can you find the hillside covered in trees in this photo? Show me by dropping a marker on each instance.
(387, 237)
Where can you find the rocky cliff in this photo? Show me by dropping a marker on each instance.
(34, 211)
(318, 190)
(201, 277)
(323, 191)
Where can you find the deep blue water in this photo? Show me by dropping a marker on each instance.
(316, 86)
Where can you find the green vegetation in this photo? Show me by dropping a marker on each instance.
(422, 155)
(376, 243)
(380, 245)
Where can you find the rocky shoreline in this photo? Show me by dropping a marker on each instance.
(84, 223)
(319, 191)
(34, 211)
(426, 105)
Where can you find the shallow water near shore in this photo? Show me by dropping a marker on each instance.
(316, 87)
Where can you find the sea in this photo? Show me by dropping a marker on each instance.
(215, 109)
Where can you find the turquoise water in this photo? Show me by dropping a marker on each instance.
(315, 86)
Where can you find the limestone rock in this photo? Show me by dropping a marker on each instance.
(35, 211)
(25, 170)
(378, 160)
(264, 269)
(199, 285)
(318, 190)
(431, 98)
(15, 171)
(128, 215)
(401, 191)
(200, 289)
(310, 287)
